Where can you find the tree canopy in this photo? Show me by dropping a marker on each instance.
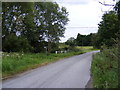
(39, 25)
(81, 40)
(108, 28)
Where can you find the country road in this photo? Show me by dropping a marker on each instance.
(73, 72)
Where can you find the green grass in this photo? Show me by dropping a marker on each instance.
(105, 69)
(86, 48)
(62, 45)
(14, 63)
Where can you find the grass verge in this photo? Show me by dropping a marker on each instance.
(105, 69)
(15, 63)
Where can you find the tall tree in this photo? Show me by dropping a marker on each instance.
(108, 28)
(13, 18)
(54, 21)
(38, 23)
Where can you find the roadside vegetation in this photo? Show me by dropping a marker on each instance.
(30, 29)
(14, 63)
(105, 65)
(105, 69)
(31, 32)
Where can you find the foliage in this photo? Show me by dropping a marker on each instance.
(18, 62)
(105, 66)
(108, 28)
(12, 43)
(71, 41)
(53, 22)
(40, 24)
(13, 63)
(84, 40)
(81, 40)
(105, 69)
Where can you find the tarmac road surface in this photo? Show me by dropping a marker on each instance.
(73, 72)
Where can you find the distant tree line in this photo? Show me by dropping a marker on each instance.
(32, 27)
(108, 31)
(81, 40)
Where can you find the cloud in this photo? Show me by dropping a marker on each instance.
(82, 15)
(27, 0)
(74, 2)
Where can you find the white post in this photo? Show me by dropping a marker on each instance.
(56, 52)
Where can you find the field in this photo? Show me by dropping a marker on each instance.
(14, 63)
(86, 48)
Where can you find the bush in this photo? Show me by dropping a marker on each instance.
(105, 69)
(12, 43)
(73, 49)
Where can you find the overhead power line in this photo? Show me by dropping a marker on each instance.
(81, 27)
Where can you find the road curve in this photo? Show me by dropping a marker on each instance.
(73, 72)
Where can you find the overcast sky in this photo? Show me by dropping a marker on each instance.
(84, 16)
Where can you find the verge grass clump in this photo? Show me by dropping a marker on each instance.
(105, 69)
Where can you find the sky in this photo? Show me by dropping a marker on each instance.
(84, 16)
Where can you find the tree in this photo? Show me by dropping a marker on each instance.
(71, 41)
(12, 43)
(55, 19)
(39, 23)
(96, 41)
(13, 18)
(84, 40)
(108, 28)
